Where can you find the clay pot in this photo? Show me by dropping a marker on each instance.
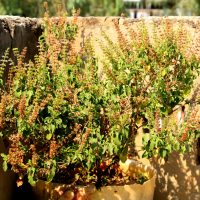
(55, 191)
(7, 179)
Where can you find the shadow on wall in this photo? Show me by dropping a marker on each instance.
(178, 178)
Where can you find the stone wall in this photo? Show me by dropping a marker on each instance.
(17, 32)
(179, 178)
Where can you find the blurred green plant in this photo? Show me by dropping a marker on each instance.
(185, 7)
(33, 8)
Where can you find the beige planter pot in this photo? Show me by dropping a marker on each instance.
(7, 179)
(44, 191)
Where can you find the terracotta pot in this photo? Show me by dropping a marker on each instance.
(55, 191)
(7, 179)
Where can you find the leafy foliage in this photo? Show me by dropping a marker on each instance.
(53, 112)
(147, 80)
(33, 8)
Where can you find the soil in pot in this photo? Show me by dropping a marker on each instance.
(120, 191)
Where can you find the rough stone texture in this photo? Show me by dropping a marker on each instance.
(179, 178)
(18, 32)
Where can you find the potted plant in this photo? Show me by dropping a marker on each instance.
(66, 124)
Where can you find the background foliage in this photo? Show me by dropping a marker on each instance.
(33, 8)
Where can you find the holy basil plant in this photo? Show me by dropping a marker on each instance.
(54, 112)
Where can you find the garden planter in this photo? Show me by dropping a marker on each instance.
(54, 191)
(7, 179)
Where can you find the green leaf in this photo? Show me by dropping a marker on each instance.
(5, 166)
(104, 149)
(18, 94)
(117, 141)
(53, 127)
(110, 149)
(183, 148)
(1, 82)
(49, 136)
(163, 153)
(152, 144)
(52, 171)
(145, 154)
(58, 121)
(31, 173)
(5, 163)
(164, 72)
(123, 155)
(145, 139)
(29, 95)
(42, 87)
